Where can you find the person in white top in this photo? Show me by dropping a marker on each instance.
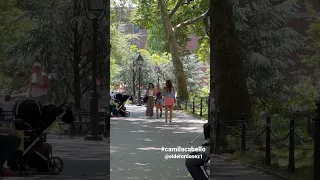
(113, 95)
(150, 101)
(122, 87)
(7, 108)
(39, 84)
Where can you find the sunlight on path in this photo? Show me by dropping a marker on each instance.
(136, 144)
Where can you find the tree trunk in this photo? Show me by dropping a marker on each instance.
(108, 51)
(76, 60)
(76, 85)
(179, 73)
(211, 113)
(230, 90)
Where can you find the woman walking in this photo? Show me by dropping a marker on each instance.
(159, 101)
(150, 101)
(169, 95)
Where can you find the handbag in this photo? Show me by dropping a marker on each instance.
(145, 99)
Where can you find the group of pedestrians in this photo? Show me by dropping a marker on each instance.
(159, 97)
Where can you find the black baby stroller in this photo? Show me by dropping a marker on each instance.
(37, 121)
(121, 99)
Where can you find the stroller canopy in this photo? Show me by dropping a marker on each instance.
(29, 110)
(122, 97)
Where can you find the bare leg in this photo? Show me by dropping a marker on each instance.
(160, 107)
(170, 108)
(157, 109)
(166, 113)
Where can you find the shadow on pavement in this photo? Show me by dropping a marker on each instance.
(136, 144)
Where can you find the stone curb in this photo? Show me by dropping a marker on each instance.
(277, 175)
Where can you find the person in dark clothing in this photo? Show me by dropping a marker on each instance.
(9, 142)
(194, 166)
(206, 133)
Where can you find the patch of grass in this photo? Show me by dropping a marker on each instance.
(280, 159)
(196, 113)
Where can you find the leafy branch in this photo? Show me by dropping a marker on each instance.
(191, 21)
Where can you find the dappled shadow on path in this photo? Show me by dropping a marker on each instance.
(136, 144)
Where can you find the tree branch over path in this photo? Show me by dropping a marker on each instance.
(86, 89)
(68, 85)
(85, 73)
(174, 10)
(191, 21)
(83, 65)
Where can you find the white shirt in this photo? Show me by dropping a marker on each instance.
(113, 95)
(8, 110)
(150, 92)
(37, 91)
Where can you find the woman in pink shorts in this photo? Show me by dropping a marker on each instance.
(168, 94)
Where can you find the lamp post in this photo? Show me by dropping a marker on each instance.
(133, 81)
(158, 72)
(94, 9)
(140, 62)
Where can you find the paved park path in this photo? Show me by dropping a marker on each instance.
(136, 149)
(136, 144)
(83, 160)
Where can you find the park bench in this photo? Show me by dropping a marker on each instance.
(81, 124)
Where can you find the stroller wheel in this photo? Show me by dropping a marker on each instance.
(127, 113)
(55, 165)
